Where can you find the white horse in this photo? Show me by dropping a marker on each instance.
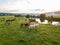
(32, 26)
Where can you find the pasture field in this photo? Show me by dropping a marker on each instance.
(14, 34)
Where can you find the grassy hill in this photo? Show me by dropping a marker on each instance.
(14, 34)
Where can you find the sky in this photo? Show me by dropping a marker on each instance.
(29, 6)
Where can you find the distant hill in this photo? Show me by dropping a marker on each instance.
(22, 14)
(55, 13)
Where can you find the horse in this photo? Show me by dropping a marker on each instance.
(13, 19)
(32, 20)
(24, 24)
(32, 26)
(8, 22)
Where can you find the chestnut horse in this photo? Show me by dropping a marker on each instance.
(25, 24)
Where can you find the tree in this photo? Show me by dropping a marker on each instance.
(42, 17)
(27, 16)
(50, 19)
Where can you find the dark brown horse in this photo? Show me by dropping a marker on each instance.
(13, 19)
(24, 24)
(32, 20)
(9, 21)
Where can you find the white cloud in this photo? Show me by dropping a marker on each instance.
(47, 5)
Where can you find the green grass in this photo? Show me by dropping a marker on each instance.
(15, 35)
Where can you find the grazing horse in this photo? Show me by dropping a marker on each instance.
(8, 22)
(13, 19)
(25, 24)
(32, 20)
(3, 19)
(32, 26)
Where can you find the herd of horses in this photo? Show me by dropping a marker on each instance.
(24, 24)
(30, 24)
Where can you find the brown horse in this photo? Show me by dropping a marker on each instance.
(32, 20)
(9, 21)
(24, 24)
(13, 19)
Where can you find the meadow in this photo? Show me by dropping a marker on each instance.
(14, 34)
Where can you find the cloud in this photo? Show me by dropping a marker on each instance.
(32, 5)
